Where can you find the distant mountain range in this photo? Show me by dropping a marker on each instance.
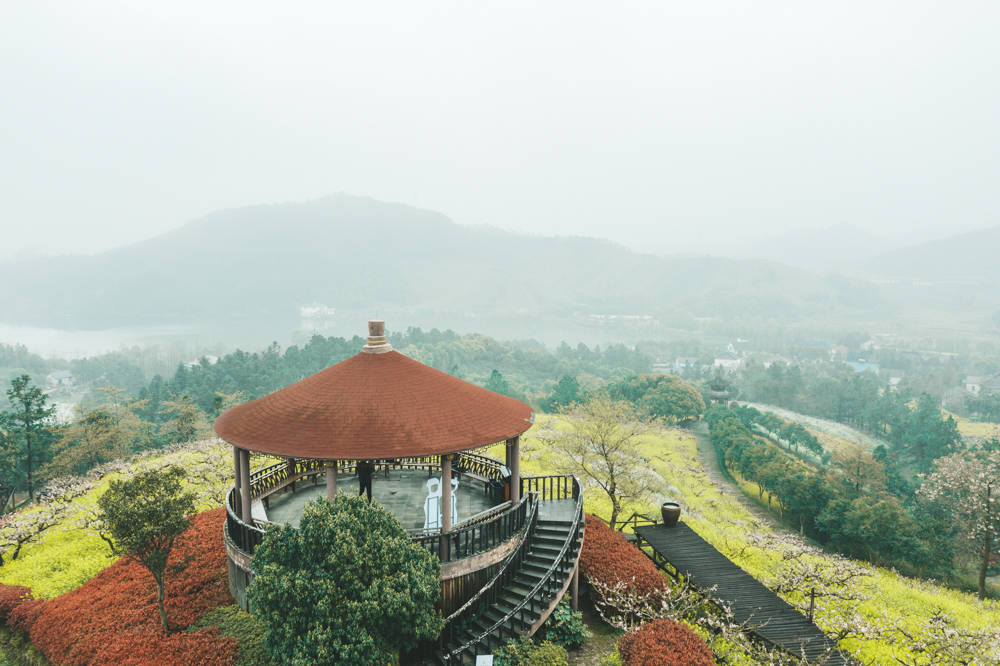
(257, 266)
(837, 248)
(970, 256)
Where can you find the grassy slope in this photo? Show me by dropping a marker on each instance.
(887, 600)
(68, 555)
(969, 428)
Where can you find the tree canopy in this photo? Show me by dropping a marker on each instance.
(26, 427)
(664, 396)
(348, 586)
(144, 516)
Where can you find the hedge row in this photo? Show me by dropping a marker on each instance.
(113, 619)
(608, 559)
(664, 643)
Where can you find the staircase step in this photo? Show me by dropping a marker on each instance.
(548, 541)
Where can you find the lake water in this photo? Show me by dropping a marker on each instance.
(54, 343)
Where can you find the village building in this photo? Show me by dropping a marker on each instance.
(973, 384)
(728, 361)
(893, 377)
(60, 378)
(861, 365)
(771, 360)
(686, 363)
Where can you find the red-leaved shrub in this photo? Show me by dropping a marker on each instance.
(664, 643)
(113, 619)
(607, 560)
(12, 596)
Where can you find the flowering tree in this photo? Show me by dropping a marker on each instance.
(19, 529)
(968, 484)
(210, 471)
(603, 446)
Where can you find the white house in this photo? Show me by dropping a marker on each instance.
(61, 378)
(728, 361)
(776, 359)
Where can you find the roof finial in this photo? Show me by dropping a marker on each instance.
(377, 343)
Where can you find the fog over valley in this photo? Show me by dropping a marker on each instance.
(499, 334)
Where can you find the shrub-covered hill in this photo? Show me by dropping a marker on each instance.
(882, 616)
(53, 546)
(113, 618)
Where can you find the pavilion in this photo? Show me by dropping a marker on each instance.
(514, 551)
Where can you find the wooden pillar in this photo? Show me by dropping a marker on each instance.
(574, 586)
(236, 468)
(445, 505)
(247, 513)
(515, 469)
(331, 479)
(238, 509)
(290, 466)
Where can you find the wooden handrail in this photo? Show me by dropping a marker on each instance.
(506, 574)
(473, 539)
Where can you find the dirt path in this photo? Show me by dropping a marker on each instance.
(602, 642)
(710, 461)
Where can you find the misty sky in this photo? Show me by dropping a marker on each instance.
(664, 126)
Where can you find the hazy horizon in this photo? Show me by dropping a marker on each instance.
(662, 128)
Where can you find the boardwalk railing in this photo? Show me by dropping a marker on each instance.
(551, 487)
(531, 606)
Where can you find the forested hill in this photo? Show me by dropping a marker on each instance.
(260, 263)
(968, 256)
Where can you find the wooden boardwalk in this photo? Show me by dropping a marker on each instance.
(772, 618)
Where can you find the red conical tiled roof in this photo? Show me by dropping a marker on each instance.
(374, 405)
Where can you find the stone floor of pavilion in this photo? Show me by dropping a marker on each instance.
(403, 493)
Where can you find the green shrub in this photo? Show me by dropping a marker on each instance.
(613, 659)
(565, 626)
(515, 653)
(549, 654)
(17, 650)
(244, 627)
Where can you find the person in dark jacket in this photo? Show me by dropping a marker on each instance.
(366, 469)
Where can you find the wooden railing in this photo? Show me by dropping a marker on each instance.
(456, 623)
(479, 537)
(534, 603)
(551, 487)
(485, 532)
(488, 468)
(246, 537)
(270, 478)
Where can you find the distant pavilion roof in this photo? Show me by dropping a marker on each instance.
(377, 404)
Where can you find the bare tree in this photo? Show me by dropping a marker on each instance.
(603, 445)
